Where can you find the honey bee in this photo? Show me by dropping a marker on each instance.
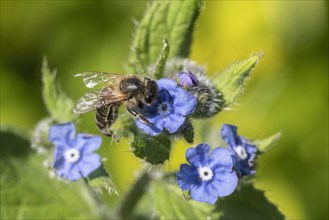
(129, 90)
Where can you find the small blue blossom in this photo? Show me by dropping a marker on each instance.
(187, 79)
(169, 111)
(245, 152)
(209, 175)
(74, 157)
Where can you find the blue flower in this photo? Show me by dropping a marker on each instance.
(169, 111)
(187, 79)
(209, 175)
(74, 157)
(245, 152)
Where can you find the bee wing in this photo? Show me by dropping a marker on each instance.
(92, 79)
(93, 100)
(87, 103)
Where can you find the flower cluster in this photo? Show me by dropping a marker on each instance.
(170, 110)
(212, 175)
(74, 157)
(243, 149)
(209, 175)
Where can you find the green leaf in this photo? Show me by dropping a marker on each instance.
(59, 105)
(265, 144)
(232, 81)
(28, 192)
(171, 204)
(18, 141)
(247, 203)
(155, 150)
(173, 20)
(100, 180)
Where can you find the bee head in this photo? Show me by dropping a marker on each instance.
(150, 91)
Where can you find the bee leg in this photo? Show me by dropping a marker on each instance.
(139, 116)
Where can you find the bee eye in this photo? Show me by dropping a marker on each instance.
(148, 100)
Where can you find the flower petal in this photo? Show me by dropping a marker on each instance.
(221, 158)
(225, 183)
(184, 102)
(250, 147)
(89, 163)
(188, 79)
(198, 155)
(73, 173)
(167, 84)
(187, 177)
(229, 134)
(173, 123)
(61, 165)
(150, 130)
(199, 193)
(88, 143)
(58, 156)
(63, 170)
(244, 167)
(62, 134)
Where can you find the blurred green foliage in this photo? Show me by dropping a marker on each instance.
(23, 174)
(288, 91)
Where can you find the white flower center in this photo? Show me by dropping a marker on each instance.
(241, 152)
(205, 173)
(72, 155)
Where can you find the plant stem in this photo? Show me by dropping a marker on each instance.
(136, 192)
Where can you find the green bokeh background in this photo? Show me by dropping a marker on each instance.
(288, 91)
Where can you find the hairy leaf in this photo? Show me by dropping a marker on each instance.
(58, 104)
(247, 203)
(171, 20)
(265, 144)
(155, 150)
(231, 82)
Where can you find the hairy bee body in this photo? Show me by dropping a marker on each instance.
(130, 91)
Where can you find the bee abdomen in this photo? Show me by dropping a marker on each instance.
(105, 117)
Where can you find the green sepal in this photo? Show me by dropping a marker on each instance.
(58, 104)
(188, 133)
(173, 20)
(266, 144)
(232, 80)
(155, 150)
